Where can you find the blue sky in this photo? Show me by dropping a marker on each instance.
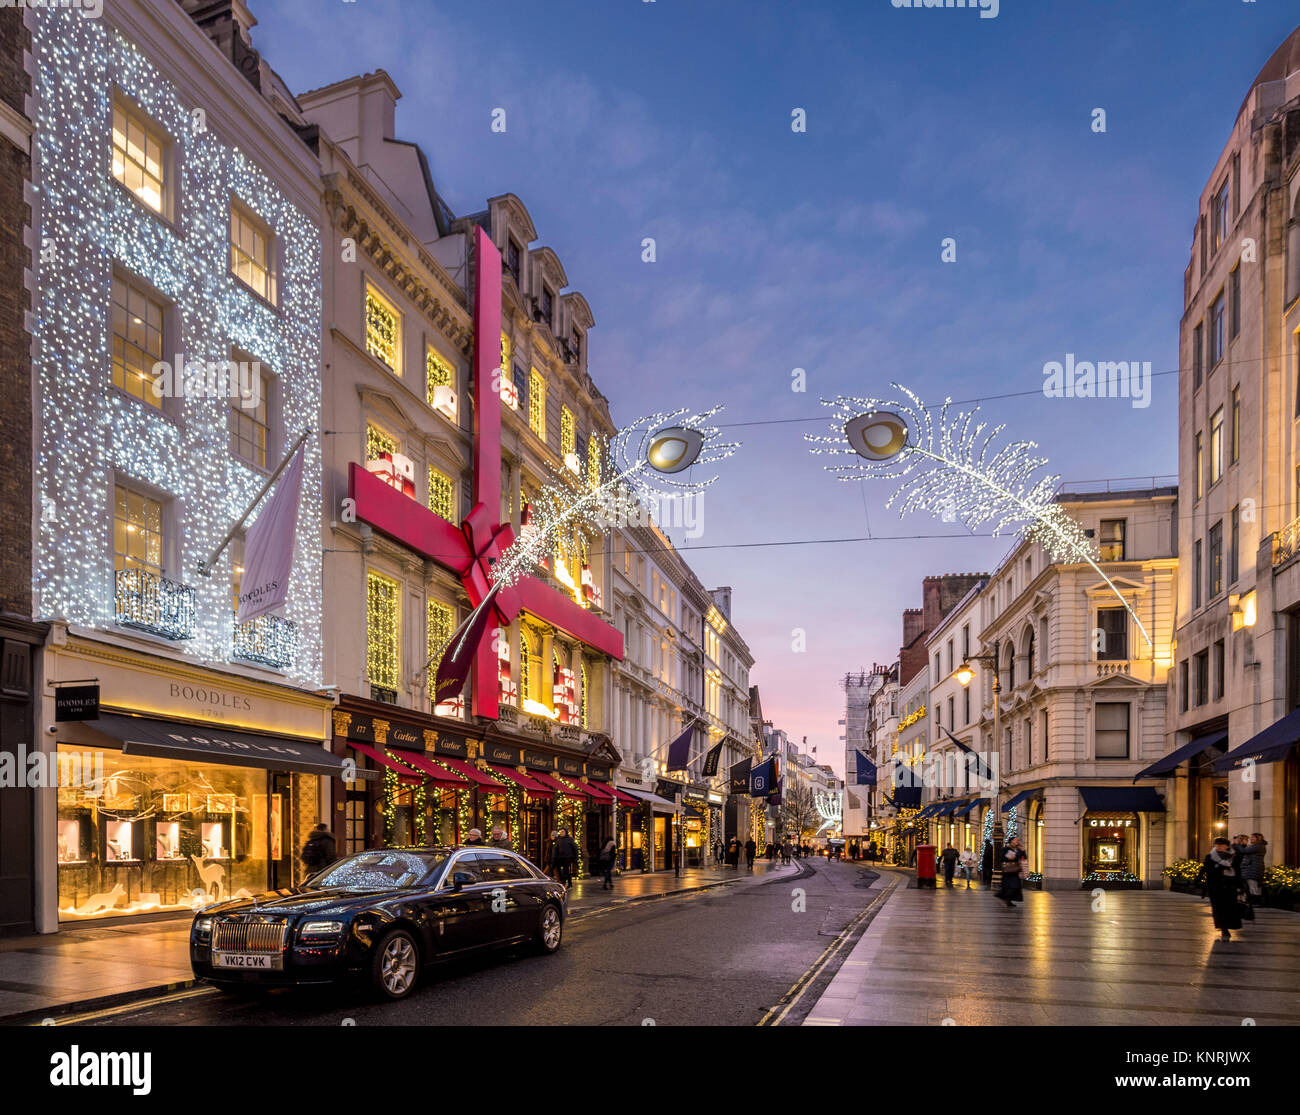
(821, 250)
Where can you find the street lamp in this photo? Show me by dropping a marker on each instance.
(964, 674)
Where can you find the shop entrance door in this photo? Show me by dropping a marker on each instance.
(280, 852)
(530, 821)
(663, 857)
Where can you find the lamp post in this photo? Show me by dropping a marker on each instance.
(964, 674)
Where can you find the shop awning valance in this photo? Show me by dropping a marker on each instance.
(1023, 796)
(440, 776)
(599, 794)
(1269, 746)
(963, 810)
(657, 804)
(556, 786)
(928, 811)
(404, 773)
(1121, 799)
(523, 781)
(624, 798)
(1162, 768)
(469, 772)
(192, 743)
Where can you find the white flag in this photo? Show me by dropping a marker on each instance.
(268, 547)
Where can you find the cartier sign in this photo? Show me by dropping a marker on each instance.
(572, 767)
(403, 735)
(451, 745)
(539, 761)
(500, 753)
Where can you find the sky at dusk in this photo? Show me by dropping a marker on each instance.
(778, 250)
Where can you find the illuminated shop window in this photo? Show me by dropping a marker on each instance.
(139, 148)
(593, 462)
(437, 373)
(537, 404)
(568, 432)
(383, 657)
(442, 494)
(251, 245)
(137, 531)
(378, 443)
(442, 624)
(137, 339)
(383, 330)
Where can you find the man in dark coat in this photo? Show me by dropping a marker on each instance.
(319, 851)
(750, 849)
(1221, 875)
(566, 857)
(949, 860)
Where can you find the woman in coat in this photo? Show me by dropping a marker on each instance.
(1222, 878)
(733, 853)
(608, 857)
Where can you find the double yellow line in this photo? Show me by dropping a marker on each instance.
(790, 999)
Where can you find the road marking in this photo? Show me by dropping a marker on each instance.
(140, 1004)
(790, 1000)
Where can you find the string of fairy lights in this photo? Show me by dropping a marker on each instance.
(91, 435)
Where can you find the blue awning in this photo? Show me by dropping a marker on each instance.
(964, 808)
(1121, 799)
(1162, 768)
(1024, 795)
(1268, 746)
(930, 810)
(947, 807)
(907, 797)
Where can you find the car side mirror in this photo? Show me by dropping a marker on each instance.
(460, 879)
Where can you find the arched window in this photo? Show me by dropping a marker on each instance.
(1029, 654)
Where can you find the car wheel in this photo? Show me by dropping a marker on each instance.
(549, 929)
(395, 966)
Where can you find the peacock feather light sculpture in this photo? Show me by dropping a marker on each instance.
(953, 465)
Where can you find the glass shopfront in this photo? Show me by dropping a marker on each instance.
(1110, 848)
(445, 827)
(495, 811)
(159, 834)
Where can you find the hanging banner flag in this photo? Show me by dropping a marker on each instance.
(711, 761)
(775, 798)
(268, 547)
(679, 751)
(453, 668)
(739, 776)
(866, 770)
(762, 779)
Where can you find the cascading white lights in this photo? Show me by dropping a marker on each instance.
(90, 434)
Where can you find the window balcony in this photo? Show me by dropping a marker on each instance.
(1287, 543)
(154, 604)
(267, 640)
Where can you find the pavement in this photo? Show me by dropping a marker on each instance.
(91, 967)
(1144, 958)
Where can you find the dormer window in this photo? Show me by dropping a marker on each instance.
(577, 347)
(547, 305)
(512, 259)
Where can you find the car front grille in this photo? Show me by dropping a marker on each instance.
(249, 936)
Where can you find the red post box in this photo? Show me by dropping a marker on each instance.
(925, 865)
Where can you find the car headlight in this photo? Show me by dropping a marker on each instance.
(203, 928)
(320, 929)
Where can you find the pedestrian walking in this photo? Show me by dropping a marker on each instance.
(948, 857)
(1252, 867)
(733, 854)
(499, 837)
(750, 850)
(872, 849)
(608, 857)
(1221, 882)
(769, 851)
(986, 863)
(786, 851)
(319, 851)
(566, 857)
(966, 864)
(1013, 859)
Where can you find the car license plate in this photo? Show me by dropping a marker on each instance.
(254, 960)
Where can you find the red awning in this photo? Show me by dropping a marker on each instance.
(404, 773)
(440, 775)
(625, 799)
(598, 793)
(469, 771)
(523, 781)
(553, 784)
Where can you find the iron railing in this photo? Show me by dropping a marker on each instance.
(152, 603)
(269, 640)
(1288, 542)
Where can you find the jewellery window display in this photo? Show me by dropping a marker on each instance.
(1110, 845)
(157, 834)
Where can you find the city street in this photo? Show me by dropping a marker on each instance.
(717, 957)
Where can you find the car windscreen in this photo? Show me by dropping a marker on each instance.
(384, 870)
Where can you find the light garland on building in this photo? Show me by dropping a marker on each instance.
(955, 467)
(89, 433)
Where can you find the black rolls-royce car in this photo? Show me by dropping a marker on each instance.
(380, 916)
